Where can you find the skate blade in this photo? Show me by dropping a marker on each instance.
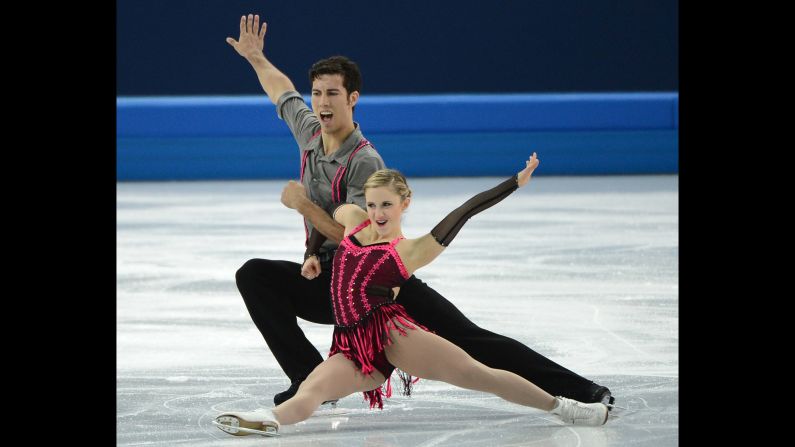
(616, 412)
(231, 425)
(610, 405)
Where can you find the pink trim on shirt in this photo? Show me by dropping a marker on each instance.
(301, 179)
(335, 184)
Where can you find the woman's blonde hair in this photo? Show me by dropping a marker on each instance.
(391, 178)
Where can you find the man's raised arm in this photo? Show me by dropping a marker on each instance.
(250, 46)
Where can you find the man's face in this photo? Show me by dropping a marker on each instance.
(331, 103)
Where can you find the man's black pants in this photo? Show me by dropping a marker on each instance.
(275, 294)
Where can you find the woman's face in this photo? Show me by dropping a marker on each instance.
(384, 208)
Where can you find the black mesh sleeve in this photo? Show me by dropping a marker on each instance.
(445, 231)
(314, 243)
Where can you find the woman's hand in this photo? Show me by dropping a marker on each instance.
(311, 268)
(524, 174)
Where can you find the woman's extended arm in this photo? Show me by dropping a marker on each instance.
(420, 252)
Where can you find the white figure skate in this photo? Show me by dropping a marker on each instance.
(243, 423)
(578, 413)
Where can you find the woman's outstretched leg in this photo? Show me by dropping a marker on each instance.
(335, 378)
(429, 356)
(412, 353)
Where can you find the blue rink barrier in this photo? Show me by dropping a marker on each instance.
(215, 138)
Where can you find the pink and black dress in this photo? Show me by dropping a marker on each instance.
(364, 308)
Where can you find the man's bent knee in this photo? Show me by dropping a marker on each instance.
(245, 271)
(255, 277)
(258, 269)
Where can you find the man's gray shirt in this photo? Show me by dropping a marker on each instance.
(321, 169)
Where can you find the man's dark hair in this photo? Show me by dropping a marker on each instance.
(341, 65)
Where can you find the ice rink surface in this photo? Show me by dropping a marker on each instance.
(584, 270)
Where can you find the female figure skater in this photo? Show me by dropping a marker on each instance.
(373, 334)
